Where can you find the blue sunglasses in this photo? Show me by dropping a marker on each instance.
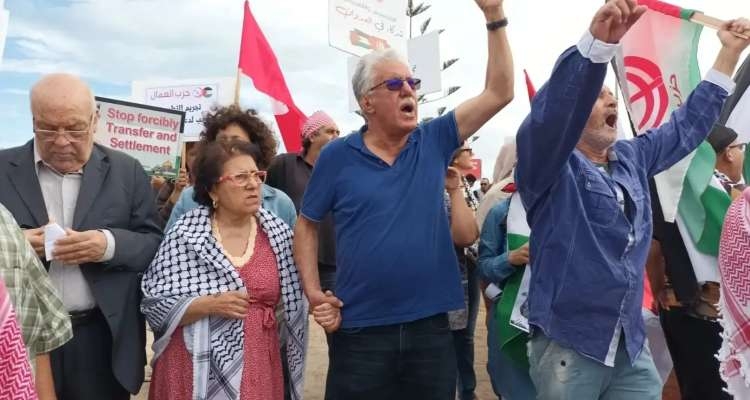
(395, 84)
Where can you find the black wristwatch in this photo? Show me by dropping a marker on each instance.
(495, 25)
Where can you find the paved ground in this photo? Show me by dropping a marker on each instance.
(317, 365)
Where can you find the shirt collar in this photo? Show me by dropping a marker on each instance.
(267, 192)
(612, 154)
(356, 139)
(301, 158)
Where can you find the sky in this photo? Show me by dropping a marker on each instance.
(111, 43)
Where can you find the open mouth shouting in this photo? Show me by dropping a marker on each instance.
(408, 109)
(611, 119)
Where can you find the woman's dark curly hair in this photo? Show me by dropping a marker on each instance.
(258, 132)
(209, 165)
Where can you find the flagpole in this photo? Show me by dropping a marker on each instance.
(183, 156)
(715, 23)
(237, 87)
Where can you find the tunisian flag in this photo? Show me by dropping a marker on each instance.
(529, 86)
(259, 63)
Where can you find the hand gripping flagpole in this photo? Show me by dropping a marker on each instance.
(712, 22)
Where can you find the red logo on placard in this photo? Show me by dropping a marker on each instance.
(647, 79)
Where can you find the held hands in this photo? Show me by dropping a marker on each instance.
(520, 256)
(80, 247)
(613, 20)
(729, 39)
(230, 305)
(326, 310)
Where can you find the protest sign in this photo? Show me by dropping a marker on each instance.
(193, 96)
(424, 60)
(152, 135)
(360, 26)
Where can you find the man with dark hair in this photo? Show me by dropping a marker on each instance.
(485, 186)
(689, 313)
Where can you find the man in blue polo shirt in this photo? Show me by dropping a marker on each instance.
(588, 207)
(397, 273)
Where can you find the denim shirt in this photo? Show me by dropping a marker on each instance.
(587, 279)
(274, 200)
(493, 263)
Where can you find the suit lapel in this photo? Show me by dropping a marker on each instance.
(22, 175)
(94, 173)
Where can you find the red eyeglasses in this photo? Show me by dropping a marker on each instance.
(243, 178)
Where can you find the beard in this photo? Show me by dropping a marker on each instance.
(601, 139)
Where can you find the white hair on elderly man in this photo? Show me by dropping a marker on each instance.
(364, 74)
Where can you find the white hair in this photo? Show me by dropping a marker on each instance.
(362, 80)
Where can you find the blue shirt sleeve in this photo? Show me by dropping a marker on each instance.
(321, 189)
(179, 208)
(443, 130)
(559, 111)
(285, 208)
(493, 256)
(688, 126)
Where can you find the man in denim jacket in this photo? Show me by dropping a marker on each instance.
(587, 202)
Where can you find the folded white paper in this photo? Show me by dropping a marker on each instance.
(52, 232)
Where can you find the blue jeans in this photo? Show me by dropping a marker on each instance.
(413, 360)
(560, 373)
(463, 340)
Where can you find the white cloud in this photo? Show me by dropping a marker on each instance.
(15, 92)
(118, 41)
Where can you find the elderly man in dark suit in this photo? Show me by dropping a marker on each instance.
(103, 200)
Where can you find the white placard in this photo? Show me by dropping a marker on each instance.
(193, 96)
(424, 57)
(149, 134)
(360, 26)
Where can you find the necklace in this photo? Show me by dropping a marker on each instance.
(240, 261)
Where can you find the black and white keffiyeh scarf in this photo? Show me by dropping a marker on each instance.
(188, 265)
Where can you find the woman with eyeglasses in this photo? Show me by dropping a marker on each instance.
(233, 123)
(211, 293)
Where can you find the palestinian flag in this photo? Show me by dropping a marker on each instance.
(657, 68)
(510, 312)
(704, 201)
(736, 111)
